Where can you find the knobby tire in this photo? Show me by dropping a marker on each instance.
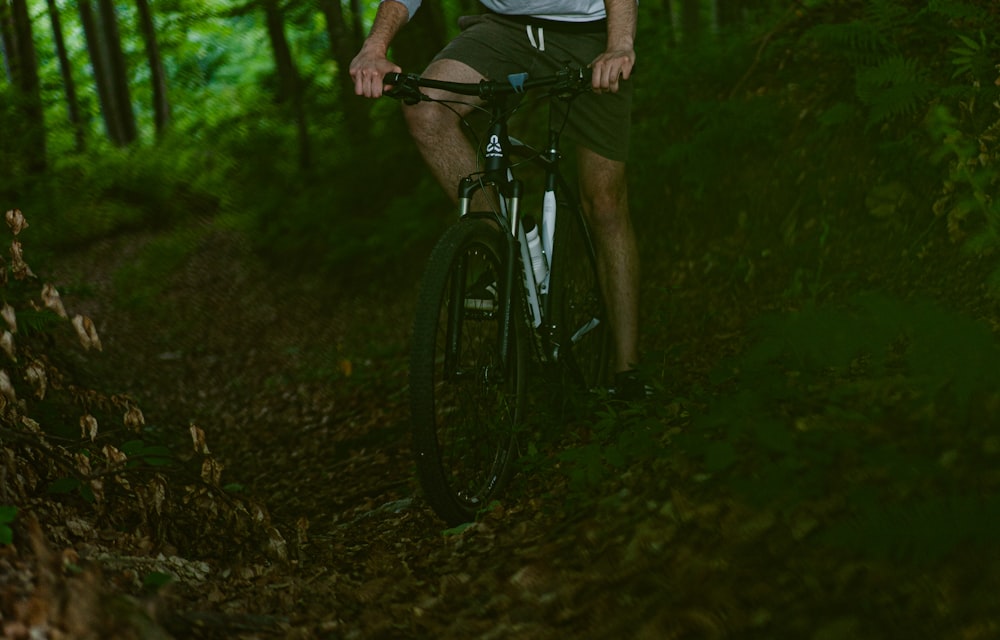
(465, 406)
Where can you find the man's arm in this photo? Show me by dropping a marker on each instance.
(619, 56)
(372, 62)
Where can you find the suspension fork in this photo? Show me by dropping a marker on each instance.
(508, 287)
(497, 171)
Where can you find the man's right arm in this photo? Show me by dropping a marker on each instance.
(372, 62)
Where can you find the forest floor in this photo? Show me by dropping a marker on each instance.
(881, 523)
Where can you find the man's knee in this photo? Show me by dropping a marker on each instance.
(427, 120)
(605, 201)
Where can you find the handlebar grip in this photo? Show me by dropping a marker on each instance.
(391, 78)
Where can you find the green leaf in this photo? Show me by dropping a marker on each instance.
(454, 531)
(64, 485)
(7, 514)
(720, 456)
(156, 580)
(972, 44)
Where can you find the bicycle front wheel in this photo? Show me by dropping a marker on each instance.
(466, 398)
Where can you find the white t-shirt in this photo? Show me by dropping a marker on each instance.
(564, 10)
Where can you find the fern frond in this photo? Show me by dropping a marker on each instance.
(860, 41)
(888, 15)
(895, 86)
(954, 9)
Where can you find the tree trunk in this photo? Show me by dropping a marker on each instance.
(289, 83)
(157, 74)
(663, 14)
(357, 25)
(25, 75)
(690, 20)
(69, 85)
(7, 49)
(343, 47)
(728, 13)
(112, 124)
(422, 38)
(114, 59)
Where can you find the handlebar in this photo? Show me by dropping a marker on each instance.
(567, 82)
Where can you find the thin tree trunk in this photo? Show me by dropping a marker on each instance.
(114, 58)
(28, 86)
(69, 85)
(112, 124)
(666, 17)
(7, 48)
(157, 74)
(289, 82)
(690, 19)
(343, 47)
(728, 13)
(357, 26)
(422, 38)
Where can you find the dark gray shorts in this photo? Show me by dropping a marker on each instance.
(497, 46)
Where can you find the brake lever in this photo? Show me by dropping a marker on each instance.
(571, 82)
(403, 87)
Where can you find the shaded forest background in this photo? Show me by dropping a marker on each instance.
(803, 176)
(767, 114)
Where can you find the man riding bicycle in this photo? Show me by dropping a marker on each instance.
(540, 37)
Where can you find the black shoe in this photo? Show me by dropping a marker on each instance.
(629, 387)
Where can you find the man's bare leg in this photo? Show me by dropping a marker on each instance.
(443, 145)
(604, 194)
(437, 130)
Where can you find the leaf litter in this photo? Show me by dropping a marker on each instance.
(305, 521)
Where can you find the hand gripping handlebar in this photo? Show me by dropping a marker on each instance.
(566, 82)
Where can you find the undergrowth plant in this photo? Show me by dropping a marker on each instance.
(967, 135)
(7, 515)
(818, 118)
(878, 412)
(886, 404)
(65, 441)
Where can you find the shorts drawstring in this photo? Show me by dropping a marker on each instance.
(540, 45)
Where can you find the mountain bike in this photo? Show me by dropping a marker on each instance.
(504, 295)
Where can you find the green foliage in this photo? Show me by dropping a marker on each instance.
(924, 531)
(143, 282)
(7, 516)
(156, 580)
(968, 198)
(894, 87)
(614, 438)
(67, 486)
(943, 351)
(854, 401)
(808, 122)
(141, 453)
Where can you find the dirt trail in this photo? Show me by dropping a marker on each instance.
(300, 388)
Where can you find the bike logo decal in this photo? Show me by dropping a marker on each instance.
(493, 149)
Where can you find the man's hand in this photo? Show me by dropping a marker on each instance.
(615, 64)
(611, 67)
(372, 62)
(367, 70)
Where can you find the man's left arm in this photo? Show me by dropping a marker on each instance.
(619, 56)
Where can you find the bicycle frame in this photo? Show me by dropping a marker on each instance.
(498, 173)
